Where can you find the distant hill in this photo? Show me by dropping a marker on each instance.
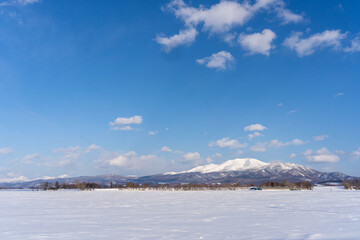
(244, 171)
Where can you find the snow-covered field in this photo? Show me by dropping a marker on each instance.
(324, 213)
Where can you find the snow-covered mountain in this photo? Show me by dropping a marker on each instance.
(240, 170)
(245, 171)
(239, 164)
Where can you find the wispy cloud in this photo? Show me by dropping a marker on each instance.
(339, 94)
(307, 46)
(7, 150)
(263, 146)
(184, 37)
(18, 2)
(320, 138)
(355, 46)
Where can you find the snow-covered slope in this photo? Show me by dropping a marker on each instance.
(238, 164)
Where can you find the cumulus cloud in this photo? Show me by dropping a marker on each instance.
(320, 138)
(191, 156)
(258, 43)
(127, 121)
(220, 61)
(6, 150)
(122, 123)
(165, 149)
(293, 155)
(255, 127)
(184, 37)
(225, 15)
(227, 142)
(321, 155)
(307, 46)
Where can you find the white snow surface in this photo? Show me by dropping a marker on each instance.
(324, 213)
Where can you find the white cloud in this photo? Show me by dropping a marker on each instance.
(287, 16)
(122, 128)
(356, 153)
(127, 121)
(6, 150)
(263, 146)
(292, 111)
(165, 149)
(184, 37)
(276, 143)
(355, 45)
(191, 156)
(293, 155)
(18, 2)
(321, 155)
(122, 123)
(92, 147)
(307, 46)
(254, 135)
(227, 142)
(320, 138)
(258, 42)
(220, 61)
(280, 104)
(129, 160)
(225, 15)
(255, 127)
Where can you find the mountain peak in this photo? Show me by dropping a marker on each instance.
(238, 164)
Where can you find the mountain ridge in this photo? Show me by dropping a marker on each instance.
(239, 170)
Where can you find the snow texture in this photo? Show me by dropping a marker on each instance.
(324, 213)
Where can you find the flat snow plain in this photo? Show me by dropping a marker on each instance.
(324, 213)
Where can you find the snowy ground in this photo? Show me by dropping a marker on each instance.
(325, 213)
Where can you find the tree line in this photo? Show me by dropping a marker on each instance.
(290, 185)
(352, 184)
(171, 187)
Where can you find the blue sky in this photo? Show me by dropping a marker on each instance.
(143, 87)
